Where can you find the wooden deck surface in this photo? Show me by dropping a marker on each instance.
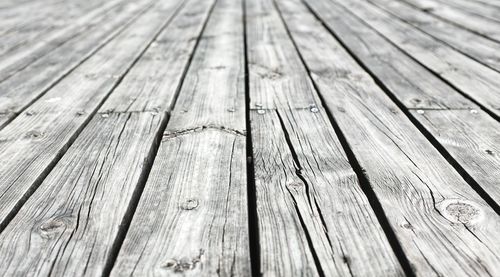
(250, 138)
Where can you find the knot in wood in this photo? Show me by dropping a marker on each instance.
(408, 226)
(461, 211)
(295, 185)
(54, 225)
(190, 204)
(184, 264)
(33, 134)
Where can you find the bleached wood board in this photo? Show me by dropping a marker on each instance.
(482, 9)
(443, 226)
(484, 26)
(12, 61)
(33, 24)
(69, 226)
(311, 210)
(467, 132)
(192, 218)
(73, 234)
(34, 142)
(475, 46)
(474, 79)
(20, 90)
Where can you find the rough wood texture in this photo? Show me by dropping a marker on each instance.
(489, 11)
(199, 226)
(419, 88)
(20, 28)
(443, 226)
(20, 57)
(69, 235)
(474, 79)
(249, 137)
(475, 46)
(34, 141)
(473, 140)
(465, 131)
(21, 89)
(484, 26)
(62, 230)
(302, 193)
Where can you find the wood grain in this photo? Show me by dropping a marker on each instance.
(442, 225)
(67, 228)
(467, 132)
(472, 78)
(475, 46)
(32, 143)
(303, 194)
(484, 26)
(29, 83)
(199, 226)
(104, 170)
(20, 57)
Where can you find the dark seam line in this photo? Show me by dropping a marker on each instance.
(139, 189)
(362, 177)
(55, 82)
(253, 220)
(441, 149)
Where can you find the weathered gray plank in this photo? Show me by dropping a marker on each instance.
(489, 11)
(474, 79)
(488, 3)
(192, 217)
(62, 226)
(442, 225)
(474, 147)
(476, 23)
(68, 227)
(475, 46)
(34, 141)
(423, 90)
(20, 57)
(311, 210)
(18, 91)
(34, 23)
(473, 139)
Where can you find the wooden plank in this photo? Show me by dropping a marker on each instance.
(484, 26)
(472, 78)
(423, 90)
(312, 206)
(34, 141)
(482, 9)
(475, 46)
(104, 170)
(69, 225)
(192, 217)
(20, 57)
(488, 3)
(472, 138)
(23, 26)
(311, 210)
(21, 89)
(444, 113)
(23, 13)
(441, 223)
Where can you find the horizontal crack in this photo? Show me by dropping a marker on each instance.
(168, 135)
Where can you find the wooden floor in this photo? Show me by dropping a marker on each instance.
(250, 137)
